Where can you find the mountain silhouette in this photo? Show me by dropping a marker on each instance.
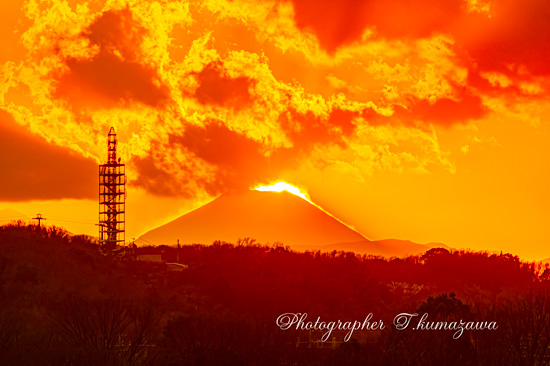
(8, 214)
(271, 217)
(267, 217)
(385, 247)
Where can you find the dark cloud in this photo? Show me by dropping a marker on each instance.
(238, 162)
(113, 76)
(117, 31)
(158, 181)
(34, 169)
(514, 39)
(307, 130)
(216, 88)
(106, 81)
(447, 111)
(333, 22)
(339, 22)
(342, 120)
(238, 159)
(419, 113)
(218, 145)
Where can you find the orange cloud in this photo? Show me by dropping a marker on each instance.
(272, 82)
(514, 40)
(106, 81)
(446, 111)
(233, 161)
(216, 88)
(159, 182)
(114, 74)
(496, 35)
(34, 169)
(337, 23)
(306, 129)
(507, 37)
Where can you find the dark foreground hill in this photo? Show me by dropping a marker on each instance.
(63, 303)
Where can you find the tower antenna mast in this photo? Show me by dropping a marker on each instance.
(112, 197)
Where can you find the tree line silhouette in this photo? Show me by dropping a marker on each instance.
(63, 303)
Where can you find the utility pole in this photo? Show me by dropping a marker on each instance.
(39, 218)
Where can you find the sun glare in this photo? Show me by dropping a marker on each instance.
(282, 186)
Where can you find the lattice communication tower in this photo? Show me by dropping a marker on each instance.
(112, 197)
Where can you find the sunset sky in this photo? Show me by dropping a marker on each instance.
(419, 120)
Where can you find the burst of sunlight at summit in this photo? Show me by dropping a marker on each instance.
(282, 186)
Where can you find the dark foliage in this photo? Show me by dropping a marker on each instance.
(64, 303)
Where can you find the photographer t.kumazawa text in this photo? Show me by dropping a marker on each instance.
(402, 321)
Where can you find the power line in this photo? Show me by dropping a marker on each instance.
(145, 241)
(75, 221)
(51, 218)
